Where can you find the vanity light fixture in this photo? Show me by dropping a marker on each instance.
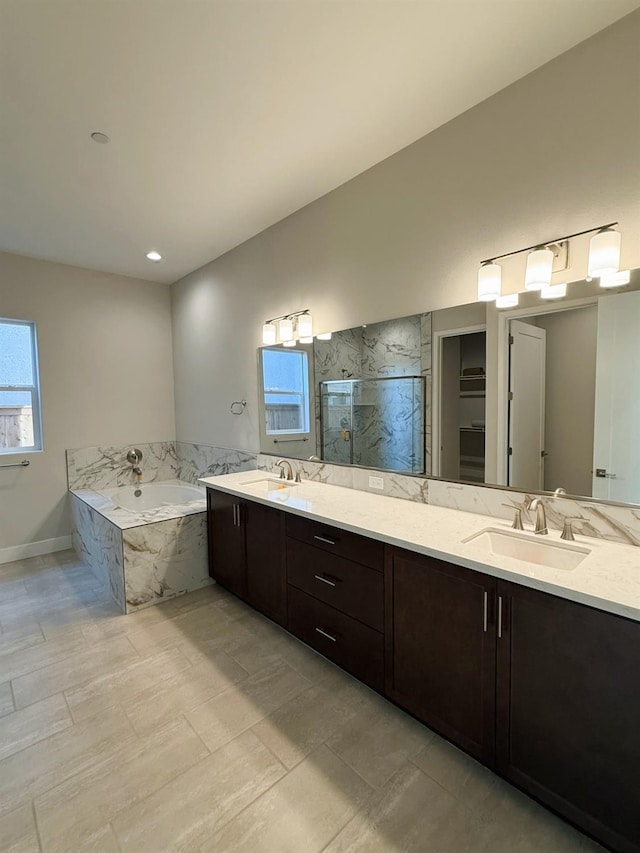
(153, 256)
(325, 336)
(539, 269)
(305, 325)
(269, 334)
(616, 279)
(289, 343)
(604, 261)
(306, 340)
(489, 282)
(509, 300)
(554, 291)
(604, 253)
(283, 329)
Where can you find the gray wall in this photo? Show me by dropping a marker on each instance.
(106, 378)
(555, 152)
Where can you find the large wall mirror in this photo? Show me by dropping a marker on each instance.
(542, 396)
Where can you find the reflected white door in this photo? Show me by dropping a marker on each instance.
(616, 446)
(527, 359)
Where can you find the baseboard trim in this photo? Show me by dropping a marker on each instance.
(34, 549)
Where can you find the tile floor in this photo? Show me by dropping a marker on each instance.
(198, 725)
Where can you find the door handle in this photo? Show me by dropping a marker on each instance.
(602, 472)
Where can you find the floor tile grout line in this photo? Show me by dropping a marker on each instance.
(35, 823)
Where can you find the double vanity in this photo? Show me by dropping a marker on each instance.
(523, 650)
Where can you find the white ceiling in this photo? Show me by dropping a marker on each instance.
(227, 115)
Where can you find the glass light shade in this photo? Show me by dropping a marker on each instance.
(308, 340)
(289, 343)
(510, 300)
(489, 282)
(554, 291)
(269, 334)
(325, 336)
(604, 253)
(616, 279)
(285, 329)
(539, 268)
(305, 325)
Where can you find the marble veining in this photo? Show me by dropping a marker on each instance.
(98, 542)
(200, 460)
(608, 577)
(106, 467)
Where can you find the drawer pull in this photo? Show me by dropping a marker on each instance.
(328, 636)
(485, 609)
(325, 540)
(499, 617)
(325, 580)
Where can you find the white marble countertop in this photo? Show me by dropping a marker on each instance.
(608, 578)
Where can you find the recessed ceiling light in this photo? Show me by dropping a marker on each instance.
(154, 256)
(102, 138)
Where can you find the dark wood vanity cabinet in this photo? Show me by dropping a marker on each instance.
(336, 596)
(246, 553)
(568, 711)
(441, 647)
(543, 690)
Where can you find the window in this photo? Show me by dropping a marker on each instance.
(19, 396)
(285, 379)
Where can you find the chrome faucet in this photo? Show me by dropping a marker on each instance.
(541, 517)
(280, 464)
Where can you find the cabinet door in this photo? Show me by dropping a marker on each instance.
(569, 711)
(440, 645)
(226, 541)
(265, 560)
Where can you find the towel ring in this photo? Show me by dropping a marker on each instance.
(237, 408)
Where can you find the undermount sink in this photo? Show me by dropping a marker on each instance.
(505, 543)
(269, 484)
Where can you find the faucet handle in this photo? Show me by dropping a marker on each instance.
(517, 518)
(567, 528)
(298, 477)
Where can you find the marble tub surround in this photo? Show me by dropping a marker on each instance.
(106, 467)
(98, 543)
(164, 560)
(202, 460)
(125, 518)
(607, 578)
(143, 557)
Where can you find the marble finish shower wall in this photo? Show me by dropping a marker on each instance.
(98, 543)
(201, 460)
(106, 467)
(164, 560)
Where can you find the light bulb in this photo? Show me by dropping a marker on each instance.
(616, 279)
(510, 300)
(285, 329)
(604, 253)
(553, 291)
(325, 336)
(539, 268)
(305, 326)
(269, 334)
(489, 282)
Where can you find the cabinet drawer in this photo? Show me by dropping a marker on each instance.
(336, 541)
(354, 589)
(349, 643)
